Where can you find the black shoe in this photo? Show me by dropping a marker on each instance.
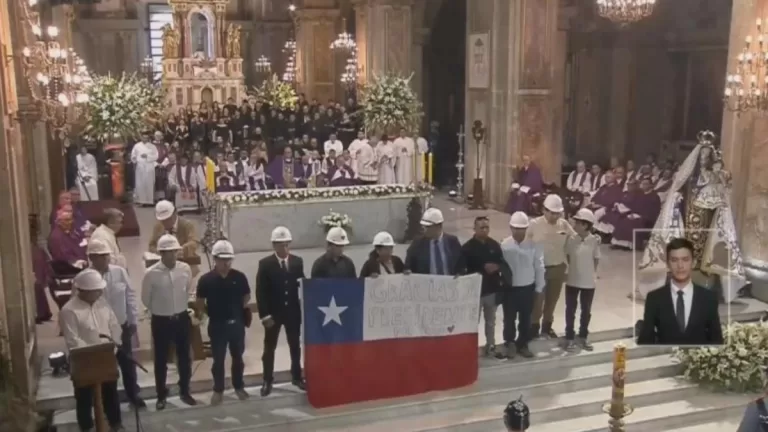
(585, 345)
(547, 332)
(138, 403)
(525, 352)
(160, 404)
(266, 388)
(188, 399)
(300, 383)
(535, 331)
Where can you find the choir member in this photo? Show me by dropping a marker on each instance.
(527, 185)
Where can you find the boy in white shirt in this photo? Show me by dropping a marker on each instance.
(583, 253)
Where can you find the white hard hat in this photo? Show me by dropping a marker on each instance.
(280, 234)
(383, 239)
(89, 280)
(585, 215)
(168, 242)
(97, 247)
(164, 209)
(223, 249)
(518, 220)
(432, 216)
(337, 236)
(553, 203)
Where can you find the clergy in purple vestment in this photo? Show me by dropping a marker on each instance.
(281, 170)
(66, 243)
(303, 172)
(70, 198)
(341, 174)
(41, 267)
(632, 229)
(528, 184)
(606, 196)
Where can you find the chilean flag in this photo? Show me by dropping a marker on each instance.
(390, 336)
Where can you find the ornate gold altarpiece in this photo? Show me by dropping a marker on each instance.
(201, 55)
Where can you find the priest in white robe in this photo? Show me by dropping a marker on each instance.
(355, 148)
(87, 175)
(186, 182)
(405, 164)
(144, 157)
(367, 163)
(580, 179)
(385, 160)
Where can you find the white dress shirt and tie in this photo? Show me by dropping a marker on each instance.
(165, 293)
(85, 321)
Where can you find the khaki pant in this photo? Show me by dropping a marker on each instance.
(545, 302)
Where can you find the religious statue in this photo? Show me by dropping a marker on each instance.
(233, 41)
(171, 41)
(697, 207)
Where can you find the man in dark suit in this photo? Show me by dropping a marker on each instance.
(437, 252)
(680, 313)
(277, 294)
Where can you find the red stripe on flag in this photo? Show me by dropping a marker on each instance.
(339, 374)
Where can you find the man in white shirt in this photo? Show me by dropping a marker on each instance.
(165, 291)
(83, 320)
(107, 234)
(405, 151)
(333, 144)
(87, 175)
(144, 156)
(122, 299)
(355, 149)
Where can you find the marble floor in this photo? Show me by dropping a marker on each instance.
(611, 310)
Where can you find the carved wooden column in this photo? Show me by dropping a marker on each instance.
(317, 75)
(745, 151)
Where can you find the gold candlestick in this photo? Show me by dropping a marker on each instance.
(617, 409)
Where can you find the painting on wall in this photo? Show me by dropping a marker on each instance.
(479, 57)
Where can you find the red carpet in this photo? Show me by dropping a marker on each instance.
(94, 212)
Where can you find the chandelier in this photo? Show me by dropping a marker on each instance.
(625, 11)
(290, 65)
(58, 79)
(349, 76)
(147, 69)
(263, 65)
(747, 88)
(344, 41)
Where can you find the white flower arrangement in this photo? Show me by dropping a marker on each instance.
(736, 366)
(335, 220)
(280, 195)
(277, 94)
(121, 107)
(389, 103)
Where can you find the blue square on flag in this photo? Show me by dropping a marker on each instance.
(333, 311)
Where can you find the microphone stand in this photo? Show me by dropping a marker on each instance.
(129, 356)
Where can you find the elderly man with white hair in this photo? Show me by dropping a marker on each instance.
(84, 319)
(107, 233)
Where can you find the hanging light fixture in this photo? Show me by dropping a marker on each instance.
(344, 41)
(349, 75)
(625, 12)
(289, 49)
(263, 64)
(747, 88)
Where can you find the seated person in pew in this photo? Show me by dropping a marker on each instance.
(627, 205)
(527, 185)
(341, 174)
(645, 205)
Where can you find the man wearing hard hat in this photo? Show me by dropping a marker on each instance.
(437, 252)
(165, 291)
(226, 294)
(526, 264)
(549, 232)
(84, 319)
(333, 263)
(169, 222)
(277, 296)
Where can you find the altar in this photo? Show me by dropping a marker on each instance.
(247, 218)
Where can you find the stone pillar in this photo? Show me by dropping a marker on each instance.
(34, 136)
(622, 65)
(420, 38)
(361, 38)
(387, 28)
(745, 150)
(520, 106)
(317, 73)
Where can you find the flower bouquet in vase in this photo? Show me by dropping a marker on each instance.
(334, 219)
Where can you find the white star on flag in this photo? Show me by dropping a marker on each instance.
(332, 312)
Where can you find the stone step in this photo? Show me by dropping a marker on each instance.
(549, 355)
(716, 426)
(700, 409)
(495, 387)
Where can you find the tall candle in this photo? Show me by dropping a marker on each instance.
(431, 168)
(619, 372)
(424, 167)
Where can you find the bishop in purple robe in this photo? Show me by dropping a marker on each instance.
(70, 198)
(281, 170)
(303, 172)
(66, 243)
(341, 174)
(606, 196)
(527, 185)
(632, 229)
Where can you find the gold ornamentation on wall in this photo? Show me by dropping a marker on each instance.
(233, 41)
(171, 42)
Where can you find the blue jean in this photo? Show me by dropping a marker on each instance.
(227, 334)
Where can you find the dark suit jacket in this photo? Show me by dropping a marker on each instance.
(660, 324)
(372, 266)
(418, 257)
(277, 291)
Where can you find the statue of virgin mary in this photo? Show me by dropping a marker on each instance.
(697, 207)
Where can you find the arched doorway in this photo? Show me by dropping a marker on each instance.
(206, 95)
